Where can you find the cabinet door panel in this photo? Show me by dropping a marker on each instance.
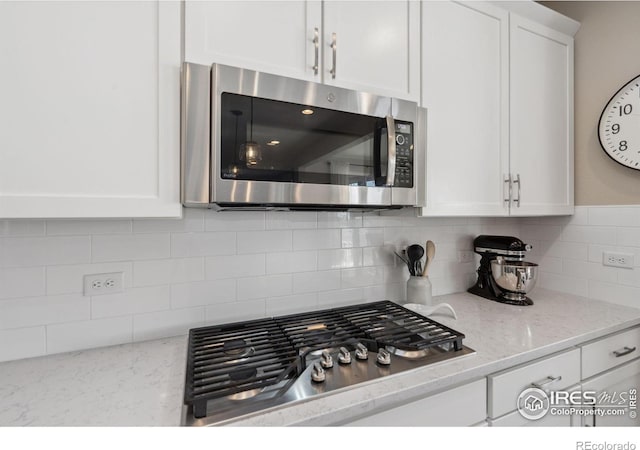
(541, 135)
(269, 36)
(90, 109)
(377, 46)
(465, 90)
(613, 383)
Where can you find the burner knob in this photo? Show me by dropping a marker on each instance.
(317, 373)
(384, 357)
(344, 357)
(361, 352)
(327, 360)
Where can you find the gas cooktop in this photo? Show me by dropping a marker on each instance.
(241, 368)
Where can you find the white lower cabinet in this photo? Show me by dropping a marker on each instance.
(515, 419)
(557, 372)
(464, 405)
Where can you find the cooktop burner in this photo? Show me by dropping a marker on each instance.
(239, 368)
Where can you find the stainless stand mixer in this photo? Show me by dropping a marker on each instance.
(503, 275)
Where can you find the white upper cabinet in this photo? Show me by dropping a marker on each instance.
(541, 139)
(465, 69)
(370, 46)
(373, 46)
(90, 109)
(270, 36)
(499, 93)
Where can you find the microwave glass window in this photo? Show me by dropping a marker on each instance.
(267, 140)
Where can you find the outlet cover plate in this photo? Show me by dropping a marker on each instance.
(103, 283)
(615, 259)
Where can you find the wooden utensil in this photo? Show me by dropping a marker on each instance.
(431, 253)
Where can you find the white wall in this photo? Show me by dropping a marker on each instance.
(208, 268)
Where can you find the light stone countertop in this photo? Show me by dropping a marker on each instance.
(142, 383)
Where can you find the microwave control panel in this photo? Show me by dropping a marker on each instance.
(404, 155)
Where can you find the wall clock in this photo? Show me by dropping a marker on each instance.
(619, 128)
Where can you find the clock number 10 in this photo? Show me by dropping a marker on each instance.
(625, 110)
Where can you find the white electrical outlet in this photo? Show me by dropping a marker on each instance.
(103, 283)
(614, 259)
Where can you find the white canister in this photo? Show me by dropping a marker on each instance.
(419, 291)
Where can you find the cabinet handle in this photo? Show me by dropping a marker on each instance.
(625, 351)
(334, 47)
(507, 179)
(316, 43)
(540, 384)
(519, 183)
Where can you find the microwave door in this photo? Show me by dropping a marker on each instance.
(385, 152)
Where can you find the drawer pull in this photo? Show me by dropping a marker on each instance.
(542, 383)
(625, 351)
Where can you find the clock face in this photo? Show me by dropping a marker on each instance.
(619, 129)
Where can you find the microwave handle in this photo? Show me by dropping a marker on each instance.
(391, 151)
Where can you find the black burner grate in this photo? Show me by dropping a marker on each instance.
(227, 360)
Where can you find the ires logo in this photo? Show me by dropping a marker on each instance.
(575, 398)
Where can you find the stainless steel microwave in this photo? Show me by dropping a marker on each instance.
(253, 140)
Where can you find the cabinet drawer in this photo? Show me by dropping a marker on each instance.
(610, 352)
(505, 387)
(516, 420)
(462, 406)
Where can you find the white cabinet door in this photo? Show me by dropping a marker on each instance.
(541, 105)
(465, 90)
(616, 386)
(90, 109)
(465, 405)
(376, 46)
(269, 36)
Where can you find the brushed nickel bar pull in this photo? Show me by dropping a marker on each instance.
(540, 384)
(334, 47)
(316, 43)
(624, 352)
(507, 179)
(517, 200)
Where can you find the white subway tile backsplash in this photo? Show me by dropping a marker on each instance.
(22, 282)
(589, 234)
(264, 241)
(361, 277)
(290, 262)
(292, 304)
(22, 343)
(202, 244)
(66, 337)
(265, 286)
(216, 267)
(234, 266)
(234, 220)
(133, 301)
(614, 216)
(43, 251)
(30, 311)
(192, 221)
(339, 258)
(70, 227)
(316, 281)
(340, 219)
(167, 323)
(128, 247)
(290, 220)
(362, 237)
(236, 311)
(68, 279)
(166, 271)
(199, 293)
(22, 227)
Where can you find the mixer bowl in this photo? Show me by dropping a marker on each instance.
(518, 277)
